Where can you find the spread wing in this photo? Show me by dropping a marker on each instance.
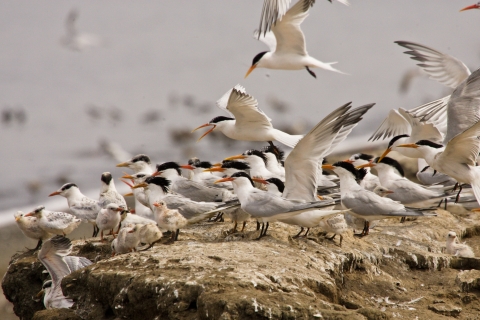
(245, 109)
(393, 125)
(51, 255)
(421, 130)
(223, 101)
(463, 109)
(464, 148)
(439, 66)
(290, 38)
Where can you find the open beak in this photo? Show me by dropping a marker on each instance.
(366, 165)
(473, 6)
(250, 70)
(328, 167)
(214, 169)
(384, 154)
(127, 183)
(127, 176)
(225, 180)
(54, 194)
(187, 166)
(140, 185)
(237, 157)
(263, 181)
(207, 132)
(123, 164)
(408, 145)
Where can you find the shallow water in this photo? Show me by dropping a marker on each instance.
(162, 66)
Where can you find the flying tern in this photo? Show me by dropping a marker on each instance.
(458, 158)
(247, 122)
(274, 10)
(54, 256)
(287, 44)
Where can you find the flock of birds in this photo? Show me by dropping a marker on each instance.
(261, 184)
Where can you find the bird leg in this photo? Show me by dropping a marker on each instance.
(331, 238)
(266, 228)
(455, 187)
(244, 224)
(261, 231)
(298, 234)
(341, 240)
(101, 236)
(234, 228)
(39, 244)
(176, 234)
(402, 220)
(258, 225)
(306, 233)
(311, 72)
(219, 217)
(458, 194)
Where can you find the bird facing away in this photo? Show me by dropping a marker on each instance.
(31, 229)
(458, 249)
(247, 122)
(54, 256)
(286, 42)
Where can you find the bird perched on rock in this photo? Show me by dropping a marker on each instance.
(31, 229)
(80, 205)
(108, 192)
(109, 218)
(149, 234)
(55, 222)
(54, 256)
(458, 249)
(169, 219)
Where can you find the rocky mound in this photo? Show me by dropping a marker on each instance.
(398, 271)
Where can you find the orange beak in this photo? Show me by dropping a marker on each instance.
(157, 204)
(156, 173)
(348, 160)
(54, 194)
(225, 180)
(237, 157)
(30, 214)
(203, 126)
(140, 185)
(473, 6)
(384, 154)
(408, 145)
(328, 167)
(263, 181)
(187, 166)
(366, 165)
(126, 182)
(123, 164)
(214, 169)
(127, 176)
(250, 70)
(389, 192)
(128, 194)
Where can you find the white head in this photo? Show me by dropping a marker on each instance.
(451, 236)
(66, 190)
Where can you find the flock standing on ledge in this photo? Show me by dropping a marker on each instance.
(261, 185)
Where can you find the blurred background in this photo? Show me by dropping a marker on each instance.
(85, 83)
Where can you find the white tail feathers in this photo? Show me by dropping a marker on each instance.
(476, 183)
(287, 139)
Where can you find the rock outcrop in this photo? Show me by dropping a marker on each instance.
(398, 271)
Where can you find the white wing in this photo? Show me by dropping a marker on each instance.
(463, 148)
(245, 109)
(421, 130)
(290, 38)
(76, 263)
(272, 11)
(301, 164)
(268, 38)
(393, 125)
(463, 109)
(223, 101)
(439, 66)
(51, 255)
(434, 112)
